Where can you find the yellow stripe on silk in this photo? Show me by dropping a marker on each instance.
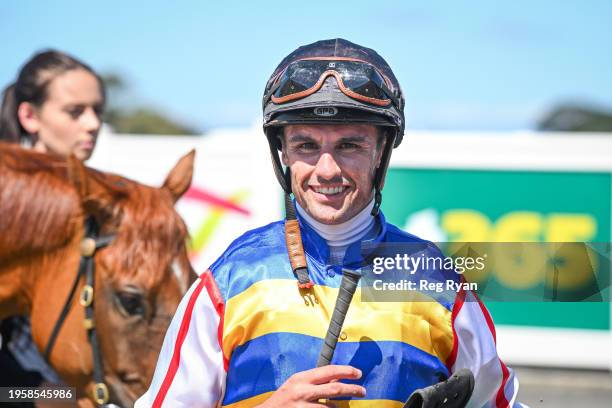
(278, 305)
(259, 399)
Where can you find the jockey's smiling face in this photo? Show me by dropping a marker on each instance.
(332, 168)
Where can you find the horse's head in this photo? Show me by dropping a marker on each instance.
(139, 280)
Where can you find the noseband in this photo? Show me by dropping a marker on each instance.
(90, 244)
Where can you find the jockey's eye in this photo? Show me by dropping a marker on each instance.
(348, 146)
(306, 147)
(131, 304)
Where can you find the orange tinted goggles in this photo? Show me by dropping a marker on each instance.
(356, 79)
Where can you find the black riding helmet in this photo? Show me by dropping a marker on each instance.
(333, 82)
(330, 82)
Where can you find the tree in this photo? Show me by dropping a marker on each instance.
(140, 119)
(147, 121)
(576, 118)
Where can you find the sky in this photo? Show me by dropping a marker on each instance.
(463, 65)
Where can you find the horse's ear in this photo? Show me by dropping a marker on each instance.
(96, 198)
(179, 179)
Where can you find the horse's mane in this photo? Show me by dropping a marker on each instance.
(40, 210)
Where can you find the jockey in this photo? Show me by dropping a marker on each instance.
(249, 331)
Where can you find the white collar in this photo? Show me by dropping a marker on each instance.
(341, 234)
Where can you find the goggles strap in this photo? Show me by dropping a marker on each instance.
(391, 95)
(269, 94)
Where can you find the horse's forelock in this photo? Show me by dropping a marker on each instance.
(150, 235)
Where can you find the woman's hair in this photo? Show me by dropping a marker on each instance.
(31, 86)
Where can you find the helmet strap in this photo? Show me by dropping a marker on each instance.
(377, 202)
(381, 172)
(283, 177)
(295, 249)
(293, 236)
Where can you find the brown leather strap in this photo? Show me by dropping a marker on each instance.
(293, 238)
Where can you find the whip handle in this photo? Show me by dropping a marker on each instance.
(350, 279)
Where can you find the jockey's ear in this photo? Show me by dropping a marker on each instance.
(97, 194)
(179, 179)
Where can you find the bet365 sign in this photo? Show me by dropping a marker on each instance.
(508, 206)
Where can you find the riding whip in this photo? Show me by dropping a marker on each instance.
(350, 279)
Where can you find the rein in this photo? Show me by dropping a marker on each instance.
(90, 244)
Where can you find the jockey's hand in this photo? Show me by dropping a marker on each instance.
(310, 388)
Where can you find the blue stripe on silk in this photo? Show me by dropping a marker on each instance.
(391, 370)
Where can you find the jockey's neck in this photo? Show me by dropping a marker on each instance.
(342, 235)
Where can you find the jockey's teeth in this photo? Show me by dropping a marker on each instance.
(329, 190)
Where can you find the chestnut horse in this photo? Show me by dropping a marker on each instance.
(140, 275)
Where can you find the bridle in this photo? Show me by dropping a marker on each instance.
(91, 242)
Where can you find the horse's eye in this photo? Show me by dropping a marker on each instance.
(131, 303)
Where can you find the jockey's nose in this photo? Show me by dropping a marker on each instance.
(327, 168)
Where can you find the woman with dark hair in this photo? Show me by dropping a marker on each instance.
(54, 106)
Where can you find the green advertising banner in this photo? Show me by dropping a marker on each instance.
(509, 206)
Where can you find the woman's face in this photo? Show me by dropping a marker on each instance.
(69, 120)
